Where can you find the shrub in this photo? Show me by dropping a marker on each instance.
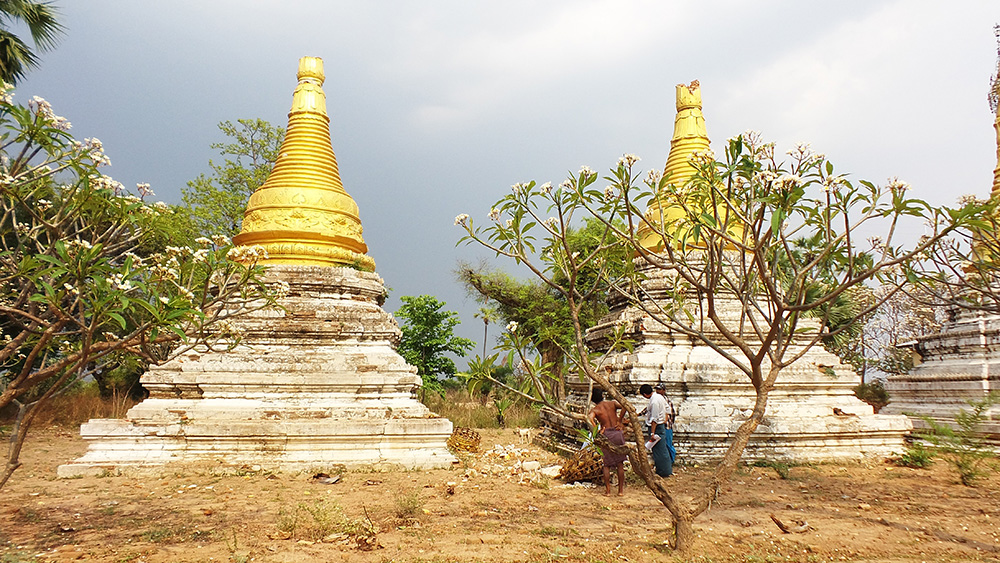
(964, 447)
(873, 393)
(916, 456)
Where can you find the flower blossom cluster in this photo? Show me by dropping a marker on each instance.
(43, 110)
(971, 199)
(94, 150)
(702, 158)
(512, 327)
(247, 253)
(281, 289)
(896, 185)
(104, 182)
(787, 182)
(6, 92)
(73, 245)
(164, 272)
(831, 183)
(585, 171)
(137, 260)
(118, 281)
(803, 152)
(546, 188)
(628, 159)
(144, 190)
(494, 214)
(200, 255)
(461, 219)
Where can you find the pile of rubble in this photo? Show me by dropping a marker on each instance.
(512, 463)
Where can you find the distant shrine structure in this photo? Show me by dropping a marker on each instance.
(812, 412)
(961, 362)
(314, 384)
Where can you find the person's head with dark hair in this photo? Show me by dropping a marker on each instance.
(645, 390)
(596, 396)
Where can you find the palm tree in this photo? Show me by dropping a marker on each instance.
(16, 57)
(488, 314)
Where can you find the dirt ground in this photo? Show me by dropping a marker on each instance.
(486, 508)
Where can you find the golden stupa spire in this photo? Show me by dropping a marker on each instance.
(690, 137)
(302, 215)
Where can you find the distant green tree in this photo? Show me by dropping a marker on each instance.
(428, 335)
(16, 57)
(217, 201)
(489, 315)
(539, 309)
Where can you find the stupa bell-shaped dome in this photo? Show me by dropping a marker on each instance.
(302, 215)
(690, 138)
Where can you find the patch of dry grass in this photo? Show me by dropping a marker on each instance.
(76, 407)
(472, 412)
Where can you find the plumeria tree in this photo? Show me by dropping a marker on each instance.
(74, 294)
(746, 257)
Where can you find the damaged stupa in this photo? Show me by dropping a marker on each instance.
(961, 362)
(316, 383)
(812, 412)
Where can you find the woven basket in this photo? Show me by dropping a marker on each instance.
(585, 465)
(464, 440)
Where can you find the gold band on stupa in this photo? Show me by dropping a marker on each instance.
(690, 137)
(302, 215)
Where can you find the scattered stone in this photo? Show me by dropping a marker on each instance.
(551, 471)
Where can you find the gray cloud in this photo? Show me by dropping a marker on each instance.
(437, 107)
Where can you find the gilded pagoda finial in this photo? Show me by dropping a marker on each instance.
(302, 215)
(690, 135)
(690, 138)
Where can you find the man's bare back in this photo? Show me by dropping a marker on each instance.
(606, 413)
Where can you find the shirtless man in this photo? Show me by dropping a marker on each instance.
(610, 415)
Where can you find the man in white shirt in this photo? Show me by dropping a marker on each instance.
(656, 419)
(661, 390)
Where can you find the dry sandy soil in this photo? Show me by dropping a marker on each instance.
(484, 509)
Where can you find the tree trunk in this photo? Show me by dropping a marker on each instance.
(552, 354)
(17, 435)
(684, 534)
